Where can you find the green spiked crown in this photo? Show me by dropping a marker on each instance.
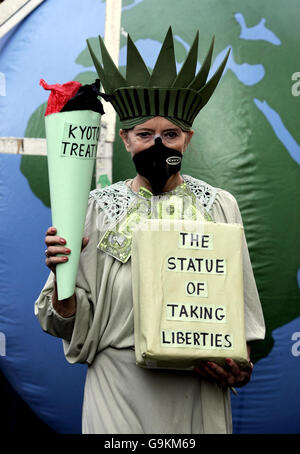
(141, 95)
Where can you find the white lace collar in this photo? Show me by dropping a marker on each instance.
(114, 200)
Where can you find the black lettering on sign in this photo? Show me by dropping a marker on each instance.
(164, 341)
(194, 239)
(65, 146)
(229, 344)
(218, 340)
(81, 150)
(191, 265)
(220, 265)
(180, 337)
(190, 288)
(197, 265)
(188, 338)
(172, 306)
(74, 147)
(209, 265)
(204, 338)
(183, 235)
(88, 153)
(199, 262)
(196, 339)
(208, 313)
(171, 266)
(201, 287)
(82, 131)
(183, 311)
(94, 132)
(219, 317)
(89, 133)
(71, 131)
(181, 260)
(194, 311)
(80, 141)
(205, 240)
(188, 311)
(191, 240)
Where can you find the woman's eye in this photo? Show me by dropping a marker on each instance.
(171, 135)
(143, 135)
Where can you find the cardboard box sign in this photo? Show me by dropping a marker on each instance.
(188, 296)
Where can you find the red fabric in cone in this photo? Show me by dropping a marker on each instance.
(60, 94)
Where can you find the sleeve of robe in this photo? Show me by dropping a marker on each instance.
(100, 320)
(103, 284)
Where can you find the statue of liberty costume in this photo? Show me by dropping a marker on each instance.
(119, 396)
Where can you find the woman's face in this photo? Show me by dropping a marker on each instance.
(142, 136)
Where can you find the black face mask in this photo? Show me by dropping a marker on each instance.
(157, 164)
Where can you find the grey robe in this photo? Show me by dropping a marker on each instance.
(119, 396)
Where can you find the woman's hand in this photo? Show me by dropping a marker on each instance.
(230, 375)
(57, 245)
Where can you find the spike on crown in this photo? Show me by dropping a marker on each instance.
(162, 93)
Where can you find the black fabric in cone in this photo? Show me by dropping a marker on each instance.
(86, 98)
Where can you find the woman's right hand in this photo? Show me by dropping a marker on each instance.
(57, 245)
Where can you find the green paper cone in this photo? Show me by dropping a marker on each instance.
(72, 139)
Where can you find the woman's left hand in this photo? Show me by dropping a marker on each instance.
(230, 375)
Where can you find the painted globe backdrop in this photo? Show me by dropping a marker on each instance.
(246, 141)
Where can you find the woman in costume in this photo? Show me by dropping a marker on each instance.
(96, 324)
